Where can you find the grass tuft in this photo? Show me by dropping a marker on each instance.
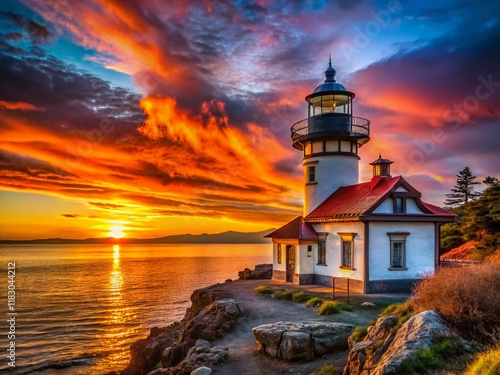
(300, 296)
(332, 307)
(283, 294)
(359, 333)
(263, 289)
(486, 363)
(404, 311)
(314, 302)
(326, 370)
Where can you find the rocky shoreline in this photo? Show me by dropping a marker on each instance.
(229, 329)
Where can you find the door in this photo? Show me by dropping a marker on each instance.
(290, 263)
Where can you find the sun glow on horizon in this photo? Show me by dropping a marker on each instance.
(116, 231)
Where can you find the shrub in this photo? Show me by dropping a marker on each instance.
(330, 307)
(326, 370)
(466, 297)
(300, 296)
(404, 311)
(359, 333)
(283, 294)
(263, 289)
(314, 302)
(487, 363)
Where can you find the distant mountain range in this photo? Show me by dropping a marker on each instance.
(229, 237)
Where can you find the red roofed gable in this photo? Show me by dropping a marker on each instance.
(296, 229)
(354, 200)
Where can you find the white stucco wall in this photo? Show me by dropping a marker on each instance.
(385, 208)
(411, 207)
(419, 250)
(331, 172)
(333, 250)
(305, 264)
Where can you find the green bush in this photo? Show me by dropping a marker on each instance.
(359, 333)
(329, 307)
(326, 370)
(314, 302)
(487, 363)
(300, 296)
(404, 311)
(284, 294)
(263, 289)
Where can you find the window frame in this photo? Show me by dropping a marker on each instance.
(279, 254)
(311, 170)
(347, 238)
(403, 205)
(397, 238)
(321, 249)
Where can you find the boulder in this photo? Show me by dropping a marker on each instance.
(292, 341)
(261, 271)
(389, 350)
(202, 371)
(201, 355)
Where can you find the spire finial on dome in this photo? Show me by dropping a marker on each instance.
(330, 71)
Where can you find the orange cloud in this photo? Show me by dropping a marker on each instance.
(21, 106)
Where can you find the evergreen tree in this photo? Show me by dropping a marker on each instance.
(463, 191)
(490, 181)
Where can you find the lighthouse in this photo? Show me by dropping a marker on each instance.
(329, 139)
(369, 237)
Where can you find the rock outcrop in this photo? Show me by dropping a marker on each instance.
(146, 353)
(211, 316)
(261, 271)
(382, 351)
(292, 341)
(213, 322)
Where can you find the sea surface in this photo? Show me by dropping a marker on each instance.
(79, 307)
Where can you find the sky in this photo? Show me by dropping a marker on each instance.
(149, 118)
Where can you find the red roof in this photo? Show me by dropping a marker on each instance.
(354, 200)
(438, 210)
(295, 229)
(362, 199)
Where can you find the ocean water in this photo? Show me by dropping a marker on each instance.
(79, 307)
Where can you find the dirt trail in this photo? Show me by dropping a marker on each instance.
(257, 310)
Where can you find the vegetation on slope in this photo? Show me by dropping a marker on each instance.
(479, 229)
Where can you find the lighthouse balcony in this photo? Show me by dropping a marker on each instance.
(330, 125)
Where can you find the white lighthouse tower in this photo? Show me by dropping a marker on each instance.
(329, 138)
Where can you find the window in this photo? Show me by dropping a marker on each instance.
(322, 251)
(347, 254)
(399, 205)
(398, 251)
(347, 250)
(309, 250)
(279, 253)
(311, 173)
(397, 254)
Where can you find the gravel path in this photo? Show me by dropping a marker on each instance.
(257, 310)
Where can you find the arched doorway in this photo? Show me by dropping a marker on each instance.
(290, 263)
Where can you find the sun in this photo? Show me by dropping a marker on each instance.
(116, 231)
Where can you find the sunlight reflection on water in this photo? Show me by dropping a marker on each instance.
(92, 301)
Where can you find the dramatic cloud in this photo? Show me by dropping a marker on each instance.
(204, 133)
